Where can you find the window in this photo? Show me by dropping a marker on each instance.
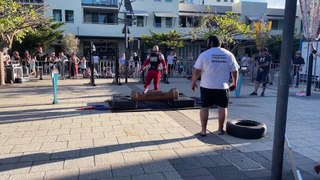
(57, 15)
(99, 17)
(168, 22)
(130, 20)
(218, 0)
(69, 16)
(111, 18)
(157, 22)
(158, 0)
(182, 21)
(140, 21)
(277, 25)
(168, 0)
(189, 21)
(225, 0)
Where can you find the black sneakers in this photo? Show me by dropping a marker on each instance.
(262, 94)
(253, 94)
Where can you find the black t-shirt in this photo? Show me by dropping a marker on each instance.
(263, 60)
(298, 60)
(41, 57)
(136, 59)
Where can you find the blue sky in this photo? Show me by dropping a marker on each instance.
(276, 3)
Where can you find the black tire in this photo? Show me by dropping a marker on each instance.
(246, 129)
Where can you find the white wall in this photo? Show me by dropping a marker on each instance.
(305, 52)
(79, 28)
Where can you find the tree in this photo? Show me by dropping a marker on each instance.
(70, 44)
(261, 31)
(17, 20)
(165, 41)
(227, 27)
(43, 36)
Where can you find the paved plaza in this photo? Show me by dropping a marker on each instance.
(39, 140)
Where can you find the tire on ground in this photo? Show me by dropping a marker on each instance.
(246, 129)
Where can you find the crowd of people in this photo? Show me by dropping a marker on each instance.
(261, 69)
(41, 63)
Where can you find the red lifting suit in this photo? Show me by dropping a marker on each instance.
(154, 59)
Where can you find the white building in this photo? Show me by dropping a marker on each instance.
(101, 21)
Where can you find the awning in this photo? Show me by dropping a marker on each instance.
(139, 13)
(275, 18)
(188, 14)
(165, 14)
(254, 18)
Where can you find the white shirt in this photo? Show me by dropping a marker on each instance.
(170, 59)
(95, 59)
(216, 65)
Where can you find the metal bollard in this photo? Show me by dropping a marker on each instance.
(237, 92)
(55, 77)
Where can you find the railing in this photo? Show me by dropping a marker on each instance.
(31, 1)
(100, 3)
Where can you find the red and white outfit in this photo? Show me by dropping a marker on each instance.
(154, 59)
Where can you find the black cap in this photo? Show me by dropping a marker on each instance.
(264, 49)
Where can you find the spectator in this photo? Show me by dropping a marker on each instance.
(96, 60)
(40, 61)
(122, 64)
(74, 61)
(170, 61)
(262, 72)
(62, 64)
(297, 63)
(214, 66)
(15, 59)
(83, 65)
(26, 63)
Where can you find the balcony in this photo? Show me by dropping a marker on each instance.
(100, 3)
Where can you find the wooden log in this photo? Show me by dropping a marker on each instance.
(155, 95)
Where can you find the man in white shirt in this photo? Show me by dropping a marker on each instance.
(214, 66)
(170, 60)
(96, 59)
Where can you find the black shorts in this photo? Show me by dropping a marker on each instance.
(262, 77)
(218, 97)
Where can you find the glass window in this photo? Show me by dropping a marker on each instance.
(57, 15)
(225, 0)
(94, 17)
(277, 25)
(69, 16)
(140, 21)
(158, 0)
(99, 17)
(111, 18)
(168, 0)
(183, 21)
(129, 19)
(218, 0)
(168, 22)
(157, 22)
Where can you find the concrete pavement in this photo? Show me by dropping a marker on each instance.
(44, 141)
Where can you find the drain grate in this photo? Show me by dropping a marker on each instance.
(242, 162)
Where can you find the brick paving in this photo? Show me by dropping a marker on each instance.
(39, 140)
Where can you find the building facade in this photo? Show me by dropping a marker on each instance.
(102, 21)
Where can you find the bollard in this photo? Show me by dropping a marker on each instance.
(237, 92)
(55, 77)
